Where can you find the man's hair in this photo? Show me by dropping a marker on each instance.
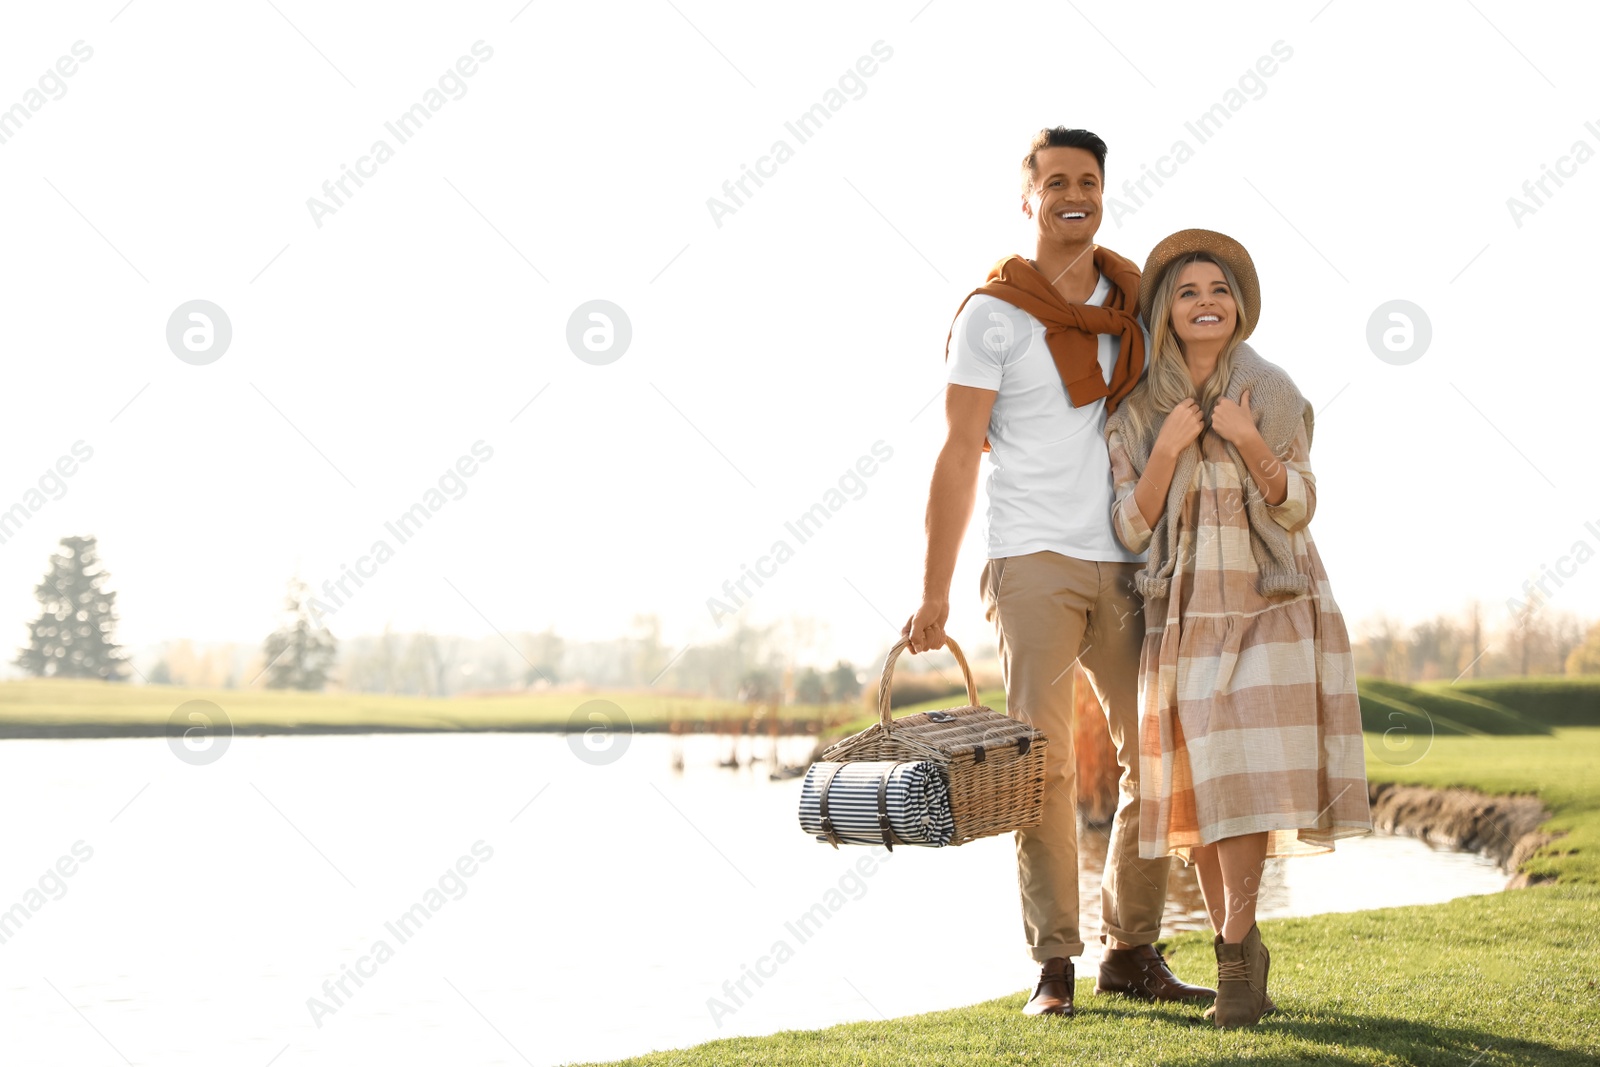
(1060, 137)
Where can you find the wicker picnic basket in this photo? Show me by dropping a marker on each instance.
(995, 764)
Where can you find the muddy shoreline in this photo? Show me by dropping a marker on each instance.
(1504, 828)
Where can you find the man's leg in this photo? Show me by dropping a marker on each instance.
(1133, 893)
(1038, 604)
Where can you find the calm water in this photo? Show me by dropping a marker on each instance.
(574, 911)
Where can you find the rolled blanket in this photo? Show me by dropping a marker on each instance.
(915, 797)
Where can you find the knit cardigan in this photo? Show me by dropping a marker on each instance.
(1279, 409)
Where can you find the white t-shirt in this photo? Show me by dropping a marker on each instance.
(1049, 482)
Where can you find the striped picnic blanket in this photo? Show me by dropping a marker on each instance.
(915, 797)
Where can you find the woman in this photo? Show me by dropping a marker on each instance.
(1250, 729)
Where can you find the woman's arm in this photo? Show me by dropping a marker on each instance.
(1141, 498)
(1286, 482)
(1299, 502)
(1236, 424)
(1266, 470)
(1127, 520)
(1151, 494)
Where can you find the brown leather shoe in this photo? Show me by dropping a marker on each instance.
(1053, 993)
(1142, 972)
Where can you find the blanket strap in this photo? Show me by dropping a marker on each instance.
(828, 771)
(883, 811)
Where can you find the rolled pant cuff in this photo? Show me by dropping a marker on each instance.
(1044, 953)
(1130, 937)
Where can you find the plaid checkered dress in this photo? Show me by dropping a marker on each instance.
(1249, 719)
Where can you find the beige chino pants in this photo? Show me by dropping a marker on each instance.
(1049, 610)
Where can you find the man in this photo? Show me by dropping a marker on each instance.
(1038, 354)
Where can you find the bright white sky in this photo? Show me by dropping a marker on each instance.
(771, 352)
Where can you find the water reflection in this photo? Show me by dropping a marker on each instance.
(1362, 873)
(623, 900)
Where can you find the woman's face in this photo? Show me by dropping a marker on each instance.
(1203, 308)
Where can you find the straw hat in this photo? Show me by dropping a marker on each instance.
(1219, 245)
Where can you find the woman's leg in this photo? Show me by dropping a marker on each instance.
(1241, 860)
(1209, 870)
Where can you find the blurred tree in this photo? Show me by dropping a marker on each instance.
(71, 638)
(809, 688)
(843, 684)
(384, 663)
(419, 665)
(544, 653)
(1585, 659)
(648, 656)
(1435, 648)
(299, 654)
(1539, 641)
(1476, 640)
(1382, 651)
(758, 686)
(719, 669)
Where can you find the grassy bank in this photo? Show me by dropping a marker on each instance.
(1504, 707)
(1560, 769)
(68, 708)
(1512, 978)
(1482, 981)
(1493, 737)
(1556, 701)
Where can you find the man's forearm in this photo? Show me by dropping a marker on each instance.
(951, 497)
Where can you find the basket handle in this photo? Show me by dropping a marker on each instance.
(888, 675)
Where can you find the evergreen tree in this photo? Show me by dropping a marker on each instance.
(299, 654)
(71, 638)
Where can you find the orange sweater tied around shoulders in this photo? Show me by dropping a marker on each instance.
(1070, 330)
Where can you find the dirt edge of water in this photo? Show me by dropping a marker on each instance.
(1505, 828)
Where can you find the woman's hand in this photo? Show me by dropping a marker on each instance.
(1234, 422)
(1181, 426)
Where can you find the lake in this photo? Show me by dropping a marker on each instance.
(504, 899)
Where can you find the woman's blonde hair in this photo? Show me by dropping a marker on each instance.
(1168, 381)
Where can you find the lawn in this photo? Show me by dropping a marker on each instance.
(85, 706)
(1478, 982)
(1560, 769)
(1511, 978)
(1494, 737)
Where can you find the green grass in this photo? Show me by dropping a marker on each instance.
(989, 698)
(1504, 707)
(1560, 769)
(1509, 978)
(1385, 712)
(1560, 766)
(1572, 700)
(1478, 982)
(1464, 712)
(85, 705)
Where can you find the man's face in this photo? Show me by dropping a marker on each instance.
(1065, 203)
